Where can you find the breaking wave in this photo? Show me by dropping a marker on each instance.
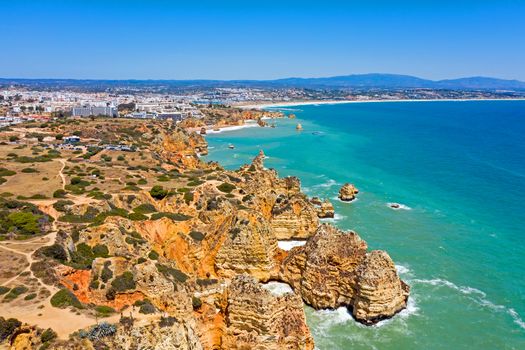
(476, 295)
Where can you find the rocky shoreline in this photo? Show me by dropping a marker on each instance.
(200, 253)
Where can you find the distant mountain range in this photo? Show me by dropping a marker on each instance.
(355, 81)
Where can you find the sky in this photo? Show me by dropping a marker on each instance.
(155, 39)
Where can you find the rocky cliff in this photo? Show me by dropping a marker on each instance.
(333, 269)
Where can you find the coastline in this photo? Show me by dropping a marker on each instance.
(334, 102)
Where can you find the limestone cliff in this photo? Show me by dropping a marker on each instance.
(333, 269)
(256, 319)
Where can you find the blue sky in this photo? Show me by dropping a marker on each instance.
(122, 39)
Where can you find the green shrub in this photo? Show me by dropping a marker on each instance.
(8, 327)
(106, 273)
(196, 235)
(94, 284)
(123, 282)
(61, 205)
(196, 303)
(48, 335)
(142, 182)
(83, 256)
(226, 187)
(158, 192)
(172, 216)
(55, 251)
(30, 296)
(153, 255)
(24, 222)
(104, 311)
(29, 170)
(64, 298)
(177, 274)
(147, 308)
(145, 208)
(15, 293)
(4, 290)
(137, 216)
(6, 172)
(59, 193)
(100, 251)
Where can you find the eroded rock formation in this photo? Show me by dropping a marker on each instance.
(258, 319)
(348, 192)
(333, 269)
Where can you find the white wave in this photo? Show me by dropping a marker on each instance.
(287, 245)
(411, 309)
(278, 288)
(402, 270)
(400, 206)
(477, 296)
(345, 202)
(337, 217)
(517, 318)
(332, 317)
(327, 184)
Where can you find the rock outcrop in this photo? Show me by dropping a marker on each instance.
(379, 292)
(333, 269)
(257, 319)
(249, 248)
(325, 209)
(348, 192)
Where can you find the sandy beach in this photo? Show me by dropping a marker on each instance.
(334, 102)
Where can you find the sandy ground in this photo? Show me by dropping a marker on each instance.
(264, 105)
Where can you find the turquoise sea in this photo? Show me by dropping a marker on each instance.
(459, 168)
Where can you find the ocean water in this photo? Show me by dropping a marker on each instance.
(458, 169)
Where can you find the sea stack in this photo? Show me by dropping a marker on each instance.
(348, 192)
(291, 116)
(299, 127)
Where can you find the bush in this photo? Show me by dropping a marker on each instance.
(30, 296)
(61, 205)
(147, 308)
(13, 138)
(104, 311)
(64, 298)
(8, 327)
(137, 216)
(82, 257)
(25, 222)
(153, 255)
(15, 293)
(59, 136)
(59, 193)
(99, 331)
(172, 216)
(29, 170)
(124, 282)
(55, 251)
(158, 192)
(226, 187)
(4, 290)
(6, 172)
(177, 274)
(100, 251)
(107, 273)
(145, 208)
(196, 303)
(48, 335)
(196, 235)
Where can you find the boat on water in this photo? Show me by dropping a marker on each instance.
(230, 146)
